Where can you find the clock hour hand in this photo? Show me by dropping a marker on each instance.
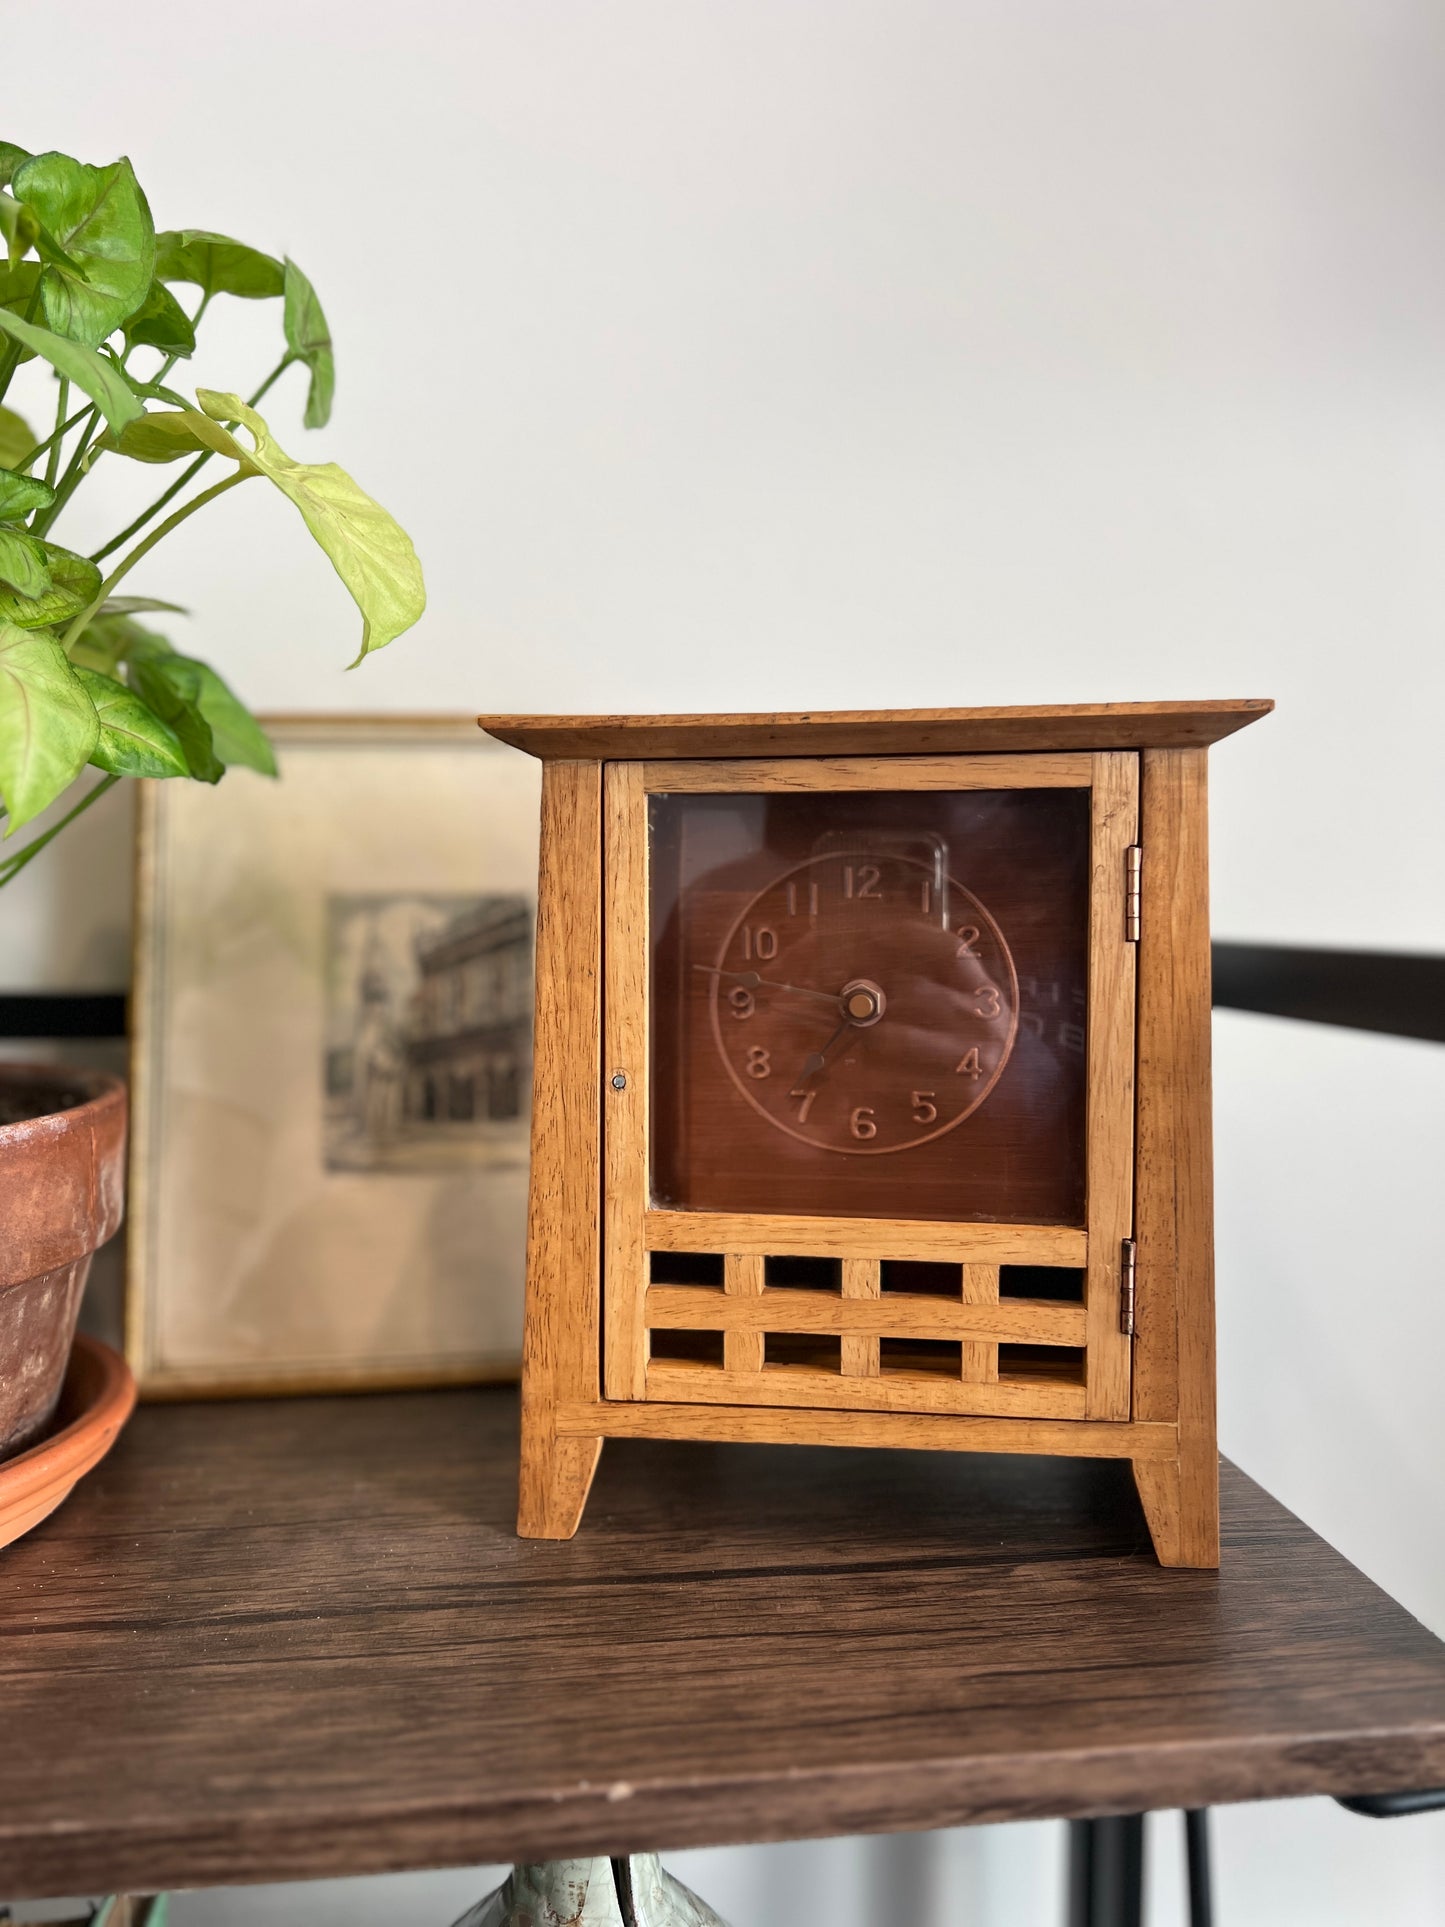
(816, 1060)
(750, 980)
(862, 1003)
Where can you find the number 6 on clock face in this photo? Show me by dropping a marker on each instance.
(887, 1026)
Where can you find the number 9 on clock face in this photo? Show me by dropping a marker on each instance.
(864, 1001)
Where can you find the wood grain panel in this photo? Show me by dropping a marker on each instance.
(1001, 1244)
(306, 1603)
(676, 1379)
(562, 1325)
(1023, 1321)
(1115, 826)
(882, 732)
(742, 1280)
(903, 1431)
(1174, 1214)
(625, 1055)
(980, 1358)
(861, 1287)
(852, 773)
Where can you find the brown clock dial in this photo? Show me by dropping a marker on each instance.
(869, 1004)
(864, 1001)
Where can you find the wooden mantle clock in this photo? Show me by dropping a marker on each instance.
(872, 1091)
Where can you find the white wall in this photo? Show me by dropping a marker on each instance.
(765, 353)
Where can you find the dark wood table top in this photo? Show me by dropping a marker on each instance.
(278, 1640)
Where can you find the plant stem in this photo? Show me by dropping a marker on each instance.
(52, 465)
(56, 435)
(143, 548)
(275, 375)
(45, 519)
(195, 468)
(10, 867)
(10, 360)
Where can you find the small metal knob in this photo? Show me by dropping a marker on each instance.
(619, 1080)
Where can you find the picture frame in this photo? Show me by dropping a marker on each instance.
(330, 1064)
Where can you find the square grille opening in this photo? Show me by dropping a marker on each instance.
(803, 1274)
(686, 1268)
(803, 1350)
(1042, 1364)
(688, 1348)
(1060, 1283)
(933, 1277)
(920, 1357)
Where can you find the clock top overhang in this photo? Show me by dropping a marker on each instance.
(879, 732)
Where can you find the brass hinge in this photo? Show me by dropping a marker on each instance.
(1126, 1287)
(1133, 871)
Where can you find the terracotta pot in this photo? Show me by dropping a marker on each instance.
(62, 1184)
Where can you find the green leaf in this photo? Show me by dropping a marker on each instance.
(154, 391)
(171, 687)
(17, 437)
(309, 340)
(20, 226)
(19, 494)
(10, 158)
(169, 435)
(48, 725)
(216, 264)
(106, 640)
(135, 605)
(237, 736)
(133, 740)
(17, 285)
(23, 563)
(161, 322)
(90, 372)
(74, 585)
(371, 553)
(23, 229)
(99, 216)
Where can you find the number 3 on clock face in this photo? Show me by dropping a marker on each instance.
(857, 1012)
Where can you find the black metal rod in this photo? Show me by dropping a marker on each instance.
(1393, 1806)
(622, 1881)
(1106, 1872)
(1197, 1863)
(62, 1013)
(1398, 993)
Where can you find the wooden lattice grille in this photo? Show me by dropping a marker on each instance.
(866, 1333)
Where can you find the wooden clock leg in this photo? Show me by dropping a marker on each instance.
(1180, 1498)
(556, 1478)
(562, 1327)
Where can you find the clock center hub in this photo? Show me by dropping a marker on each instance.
(863, 1002)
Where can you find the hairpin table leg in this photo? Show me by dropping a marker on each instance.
(1106, 1872)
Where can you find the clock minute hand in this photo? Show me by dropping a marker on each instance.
(750, 980)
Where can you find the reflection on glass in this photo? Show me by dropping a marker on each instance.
(870, 1004)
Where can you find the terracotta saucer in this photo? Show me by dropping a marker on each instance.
(95, 1402)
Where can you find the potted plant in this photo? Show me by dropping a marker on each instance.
(91, 306)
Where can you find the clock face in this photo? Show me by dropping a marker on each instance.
(869, 1004)
(864, 1001)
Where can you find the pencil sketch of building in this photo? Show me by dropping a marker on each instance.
(469, 1041)
(428, 1060)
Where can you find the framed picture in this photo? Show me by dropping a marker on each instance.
(331, 1064)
